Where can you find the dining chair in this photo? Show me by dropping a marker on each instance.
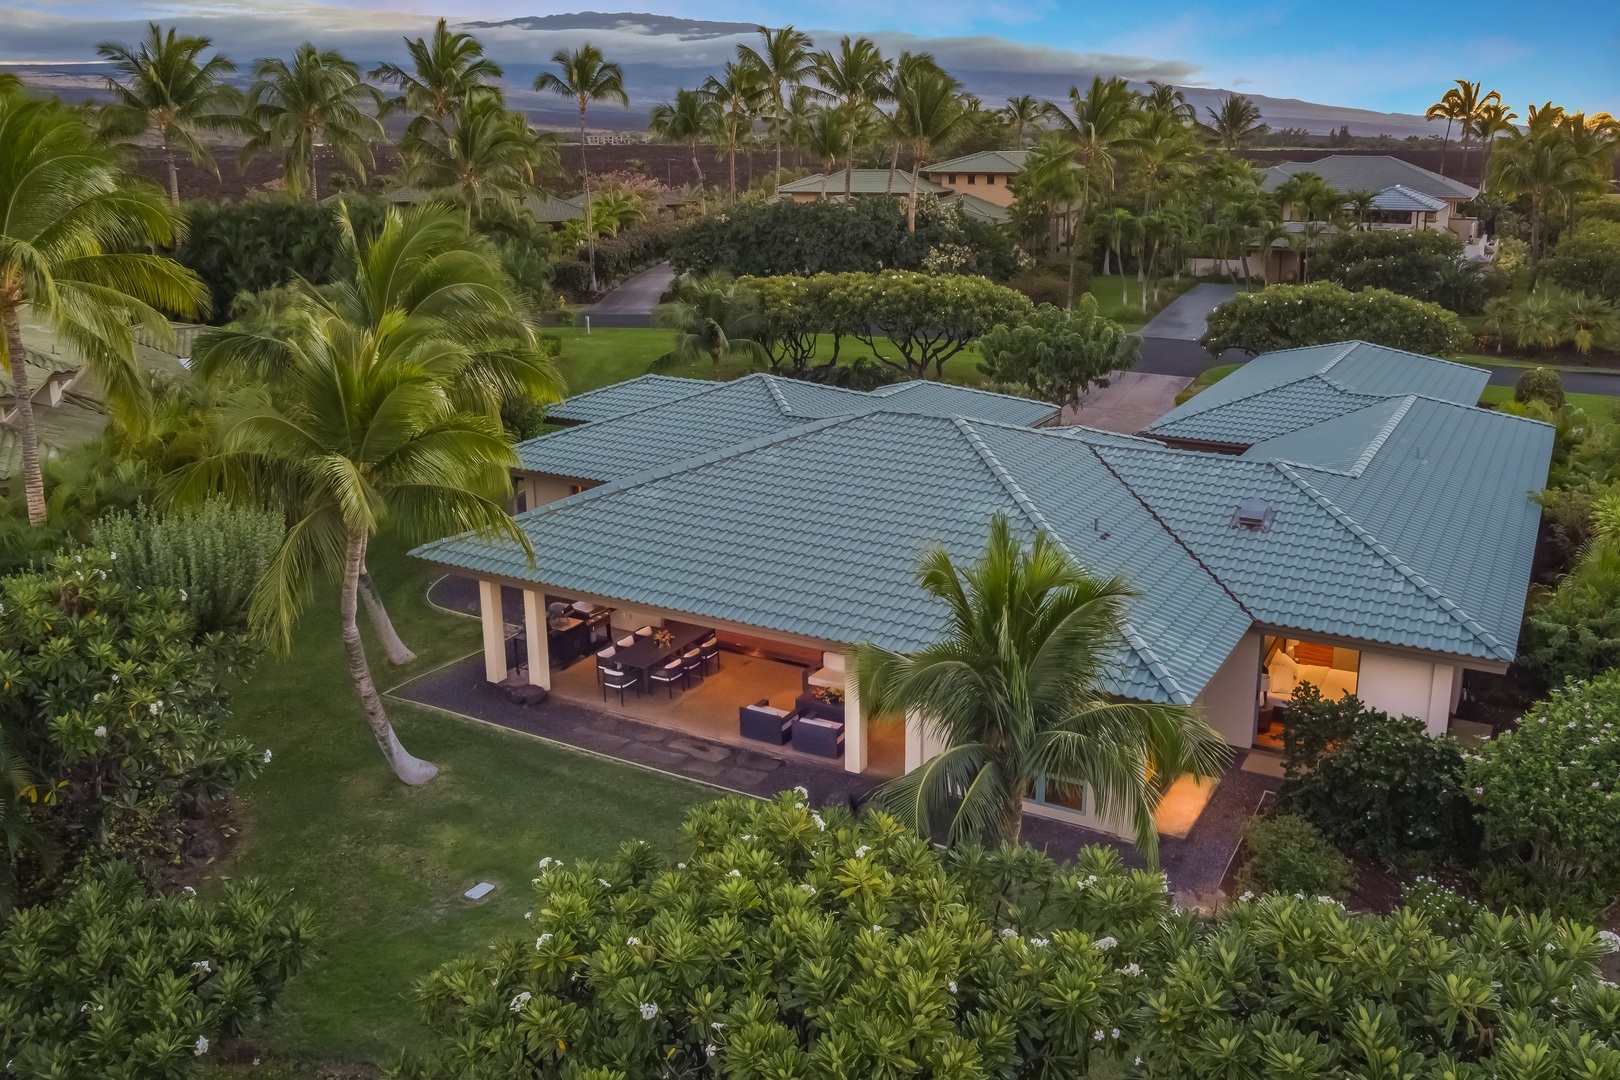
(621, 680)
(645, 631)
(626, 642)
(669, 675)
(692, 663)
(601, 658)
(710, 649)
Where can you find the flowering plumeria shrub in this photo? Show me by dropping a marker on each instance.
(111, 983)
(1293, 986)
(115, 709)
(1548, 795)
(790, 943)
(1291, 316)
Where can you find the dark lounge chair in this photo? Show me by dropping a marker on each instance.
(760, 721)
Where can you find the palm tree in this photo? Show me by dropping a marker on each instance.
(801, 112)
(449, 71)
(1163, 98)
(1450, 109)
(1317, 207)
(1237, 119)
(1098, 123)
(1162, 148)
(1587, 320)
(76, 236)
(1118, 227)
(317, 100)
(1359, 202)
(693, 115)
(737, 100)
(1022, 113)
(1470, 106)
(583, 76)
(162, 85)
(856, 76)
(362, 432)
(784, 59)
(1494, 119)
(828, 136)
(928, 114)
(479, 154)
(1016, 692)
(712, 316)
(1553, 162)
(10, 83)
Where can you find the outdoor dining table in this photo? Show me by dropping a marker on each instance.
(647, 654)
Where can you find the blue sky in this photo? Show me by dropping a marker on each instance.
(1390, 55)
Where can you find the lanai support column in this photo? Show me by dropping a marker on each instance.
(854, 720)
(489, 613)
(537, 629)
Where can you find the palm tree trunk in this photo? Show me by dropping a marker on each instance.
(894, 163)
(590, 225)
(1445, 144)
(692, 145)
(398, 652)
(174, 176)
(410, 769)
(911, 204)
(780, 109)
(849, 162)
(23, 412)
(731, 154)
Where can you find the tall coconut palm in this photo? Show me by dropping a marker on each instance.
(362, 433)
(479, 155)
(1359, 202)
(1450, 109)
(1470, 105)
(1553, 162)
(164, 85)
(856, 76)
(1164, 98)
(829, 135)
(712, 316)
(1022, 114)
(1016, 691)
(784, 59)
(688, 120)
(928, 114)
(583, 76)
(76, 236)
(1099, 123)
(320, 99)
(448, 71)
(1237, 120)
(738, 96)
(10, 83)
(1494, 119)
(1316, 206)
(1162, 148)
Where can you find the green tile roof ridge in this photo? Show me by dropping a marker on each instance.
(1383, 551)
(707, 388)
(1368, 452)
(1138, 644)
(913, 384)
(1355, 343)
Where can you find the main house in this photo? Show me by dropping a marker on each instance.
(980, 184)
(1405, 198)
(1344, 515)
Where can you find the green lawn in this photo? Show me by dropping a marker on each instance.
(1121, 299)
(384, 865)
(1207, 378)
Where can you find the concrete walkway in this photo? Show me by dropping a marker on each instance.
(1183, 318)
(632, 303)
(1131, 401)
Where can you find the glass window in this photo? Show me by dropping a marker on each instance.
(1069, 799)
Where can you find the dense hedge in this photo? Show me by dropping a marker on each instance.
(617, 257)
(768, 239)
(258, 243)
(1291, 316)
(1424, 265)
(1587, 260)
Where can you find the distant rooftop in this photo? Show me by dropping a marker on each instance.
(1369, 172)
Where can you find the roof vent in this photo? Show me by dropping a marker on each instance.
(1254, 514)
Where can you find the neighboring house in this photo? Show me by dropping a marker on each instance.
(986, 175)
(1406, 198)
(896, 184)
(1363, 539)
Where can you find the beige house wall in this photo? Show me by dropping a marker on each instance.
(1230, 700)
(1410, 686)
(991, 187)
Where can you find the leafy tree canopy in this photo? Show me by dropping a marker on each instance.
(1058, 354)
(1291, 316)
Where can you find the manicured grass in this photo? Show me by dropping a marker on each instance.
(383, 865)
(1125, 306)
(1207, 378)
(1598, 407)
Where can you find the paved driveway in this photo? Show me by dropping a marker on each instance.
(1132, 401)
(1183, 318)
(631, 304)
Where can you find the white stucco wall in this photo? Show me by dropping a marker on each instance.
(1408, 686)
(1230, 698)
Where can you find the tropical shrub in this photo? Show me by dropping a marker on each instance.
(617, 257)
(1546, 794)
(1288, 987)
(1422, 264)
(1540, 384)
(1291, 316)
(212, 555)
(115, 704)
(1587, 259)
(1572, 630)
(926, 318)
(1048, 284)
(1058, 354)
(769, 239)
(1372, 783)
(1288, 855)
(259, 243)
(790, 943)
(109, 982)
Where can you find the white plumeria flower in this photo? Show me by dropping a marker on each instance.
(1039, 942)
(876, 929)
(716, 1025)
(201, 965)
(747, 836)
(190, 891)
(267, 756)
(1008, 932)
(648, 1010)
(807, 887)
(735, 873)
(154, 707)
(709, 1050)
(520, 1001)
(1129, 969)
(1104, 943)
(604, 882)
(1114, 1033)
(545, 862)
(183, 596)
(632, 940)
(1610, 939)
(200, 1047)
(1098, 1035)
(680, 866)
(820, 825)
(950, 984)
(101, 731)
(541, 941)
(860, 852)
(802, 791)
(113, 555)
(528, 914)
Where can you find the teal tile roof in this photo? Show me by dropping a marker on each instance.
(717, 415)
(1283, 391)
(985, 161)
(620, 398)
(862, 182)
(815, 531)
(1370, 172)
